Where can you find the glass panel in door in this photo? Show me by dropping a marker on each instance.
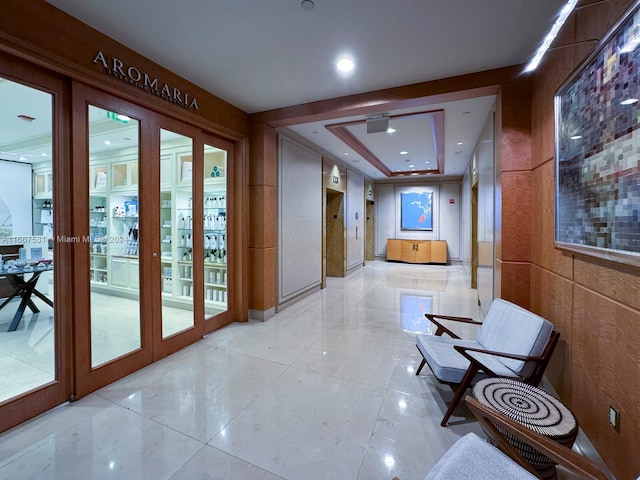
(215, 231)
(113, 235)
(27, 320)
(176, 232)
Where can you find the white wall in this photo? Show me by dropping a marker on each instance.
(299, 219)
(465, 220)
(15, 199)
(385, 208)
(355, 219)
(485, 158)
(450, 203)
(446, 215)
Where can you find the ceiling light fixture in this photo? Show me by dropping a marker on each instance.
(345, 65)
(629, 101)
(307, 5)
(403, 152)
(542, 49)
(391, 130)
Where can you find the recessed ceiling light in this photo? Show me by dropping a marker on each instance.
(403, 152)
(458, 143)
(629, 101)
(391, 130)
(345, 65)
(107, 142)
(412, 166)
(427, 161)
(576, 137)
(307, 5)
(346, 154)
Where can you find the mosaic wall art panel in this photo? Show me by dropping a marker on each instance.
(598, 150)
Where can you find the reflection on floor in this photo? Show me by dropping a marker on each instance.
(27, 354)
(325, 389)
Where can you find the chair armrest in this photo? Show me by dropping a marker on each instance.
(490, 419)
(525, 358)
(463, 351)
(442, 329)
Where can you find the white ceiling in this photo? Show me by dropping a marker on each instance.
(266, 54)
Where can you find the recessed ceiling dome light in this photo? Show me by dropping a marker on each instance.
(629, 101)
(404, 152)
(391, 130)
(345, 65)
(576, 137)
(307, 5)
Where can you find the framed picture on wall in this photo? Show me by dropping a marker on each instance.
(597, 131)
(416, 211)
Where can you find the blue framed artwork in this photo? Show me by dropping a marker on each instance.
(416, 211)
(598, 150)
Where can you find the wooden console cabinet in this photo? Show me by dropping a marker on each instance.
(417, 251)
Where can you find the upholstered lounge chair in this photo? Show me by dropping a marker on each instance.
(511, 342)
(472, 458)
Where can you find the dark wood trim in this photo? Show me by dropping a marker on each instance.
(409, 96)
(342, 132)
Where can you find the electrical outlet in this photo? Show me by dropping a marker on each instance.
(614, 418)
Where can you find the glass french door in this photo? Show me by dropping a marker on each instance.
(151, 260)
(113, 187)
(34, 354)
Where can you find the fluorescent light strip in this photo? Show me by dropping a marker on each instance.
(564, 14)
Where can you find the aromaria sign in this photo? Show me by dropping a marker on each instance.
(134, 76)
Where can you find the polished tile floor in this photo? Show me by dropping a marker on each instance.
(326, 389)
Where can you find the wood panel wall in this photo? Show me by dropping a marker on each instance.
(594, 304)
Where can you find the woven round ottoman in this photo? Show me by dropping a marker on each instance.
(533, 408)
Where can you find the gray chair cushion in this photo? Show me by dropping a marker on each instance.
(510, 328)
(448, 365)
(474, 459)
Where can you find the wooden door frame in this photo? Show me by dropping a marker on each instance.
(87, 378)
(29, 404)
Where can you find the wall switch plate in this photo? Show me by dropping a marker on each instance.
(614, 418)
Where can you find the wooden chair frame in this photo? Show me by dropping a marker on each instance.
(476, 366)
(490, 419)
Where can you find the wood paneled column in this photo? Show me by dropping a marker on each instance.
(513, 193)
(263, 221)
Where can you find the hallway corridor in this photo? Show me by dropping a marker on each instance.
(326, 389)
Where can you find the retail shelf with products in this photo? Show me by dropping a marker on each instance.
(113, 223)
